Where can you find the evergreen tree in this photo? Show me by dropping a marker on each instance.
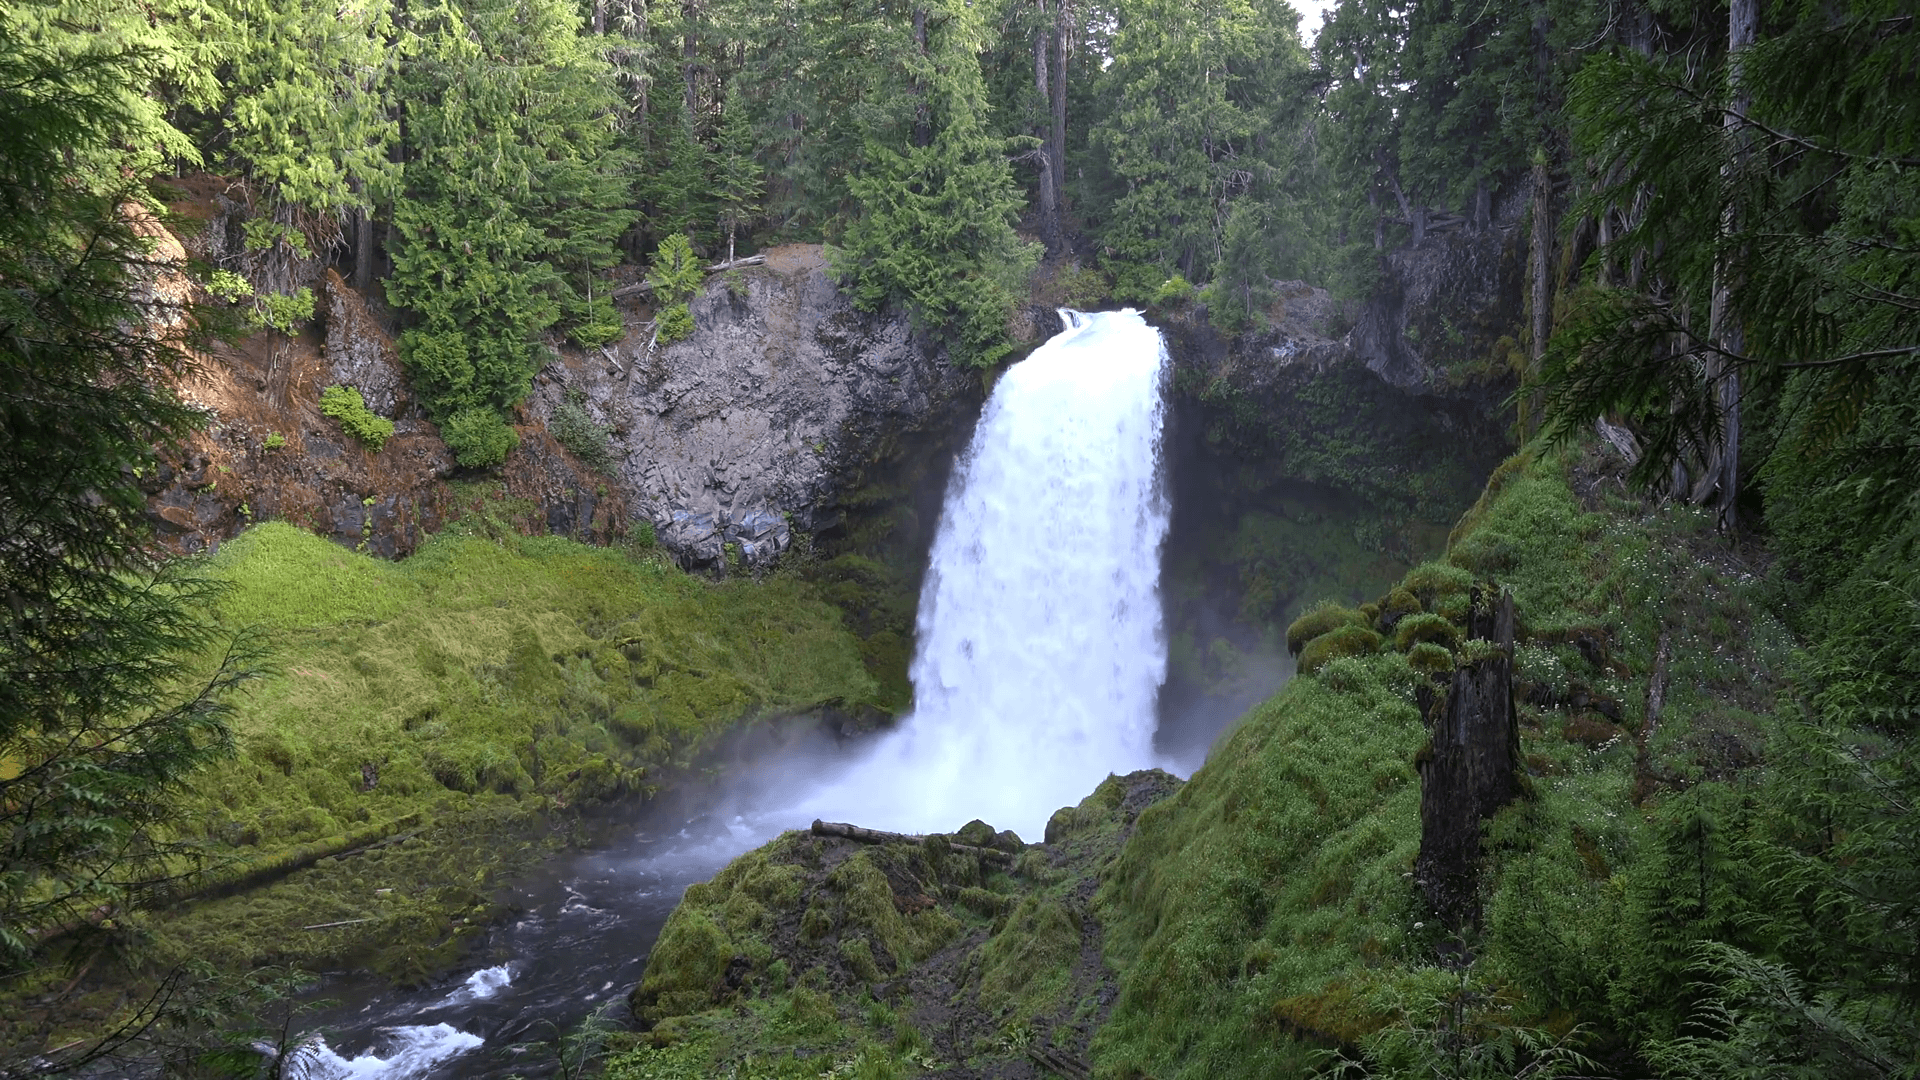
(738, 179)
(107, 703)
(514, 196)
(935, 229)
(1193, 102)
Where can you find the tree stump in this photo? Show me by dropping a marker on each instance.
(1470, 768)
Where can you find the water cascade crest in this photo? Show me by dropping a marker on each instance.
(1041, 645)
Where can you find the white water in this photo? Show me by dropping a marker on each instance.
(1041, 648)
(411, 1050)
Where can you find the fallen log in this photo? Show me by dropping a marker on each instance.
(1059, 1064)
(876, 836)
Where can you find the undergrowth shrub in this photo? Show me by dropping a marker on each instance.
(1349, 640)
(575, 430)
(478, 437)
(345, 405)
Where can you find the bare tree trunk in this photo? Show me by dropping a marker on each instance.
(599, 17)
(363, 249)
(1049, 150)
(1540, 258)
(1470, 769)
(1721, 480)
(690, 62)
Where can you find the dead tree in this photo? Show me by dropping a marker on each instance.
(1470, 768)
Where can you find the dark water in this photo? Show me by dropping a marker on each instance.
(580, 941)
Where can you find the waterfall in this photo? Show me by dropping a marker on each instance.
(1041, 647)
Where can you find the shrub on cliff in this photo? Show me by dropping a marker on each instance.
(478, 437)
(345, 405)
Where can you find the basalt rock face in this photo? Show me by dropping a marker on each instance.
(770, 419)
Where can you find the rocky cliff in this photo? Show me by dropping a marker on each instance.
(779, 417)
(767, 421)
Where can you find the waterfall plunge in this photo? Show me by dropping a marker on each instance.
(1041, 647)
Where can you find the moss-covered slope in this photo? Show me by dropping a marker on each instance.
(822, 956)
(454, 702)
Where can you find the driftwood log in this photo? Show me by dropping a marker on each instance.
(641, 288)
(876, 836)
(1471, 767)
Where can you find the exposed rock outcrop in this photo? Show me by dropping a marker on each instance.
(764, 423)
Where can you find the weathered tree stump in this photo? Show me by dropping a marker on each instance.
(1470, 768)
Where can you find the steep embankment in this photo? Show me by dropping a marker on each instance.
(1265, 913)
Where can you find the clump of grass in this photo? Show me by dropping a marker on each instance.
(1321, 620)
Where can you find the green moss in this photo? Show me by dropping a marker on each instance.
(1416, 629)
(1348, 640)
(1429, 658)
(539, 671)
(1399, 604)
(1321, 620)
(1025, 968)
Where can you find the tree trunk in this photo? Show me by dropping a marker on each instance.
(922, 116)
(1470, 768)
(1540, 260)
(599, 17)
(1721, 480)
(690, 62)
(363, 249)
(1049, 150)
(1059, 101)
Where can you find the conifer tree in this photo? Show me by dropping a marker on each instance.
(514, 196)
(738, 179)
(107, 703)
(935, 228)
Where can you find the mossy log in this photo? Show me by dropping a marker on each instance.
(1470, 769)
(876, 836)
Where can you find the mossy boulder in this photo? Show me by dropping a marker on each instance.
(1429, 658)
(1415, 629)
(1431, 581)
(1398, 604)
(1349, 640)
(1318, 622)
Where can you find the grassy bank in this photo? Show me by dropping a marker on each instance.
(454, 709)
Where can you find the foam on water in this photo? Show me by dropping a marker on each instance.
(1041, 645)
(413, 1051)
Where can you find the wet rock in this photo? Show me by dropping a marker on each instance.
(359, 353)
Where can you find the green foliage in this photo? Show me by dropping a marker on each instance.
(513, 196)
(676, 272)
(345, 404)
(1800, 214)
(575, 430)
(935, 229)
(478, 437)
(1173, 291)
(1196, 121)
(1423, 629)
(274, 441)
(113, 681)
(305, 109)
(675, 323)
